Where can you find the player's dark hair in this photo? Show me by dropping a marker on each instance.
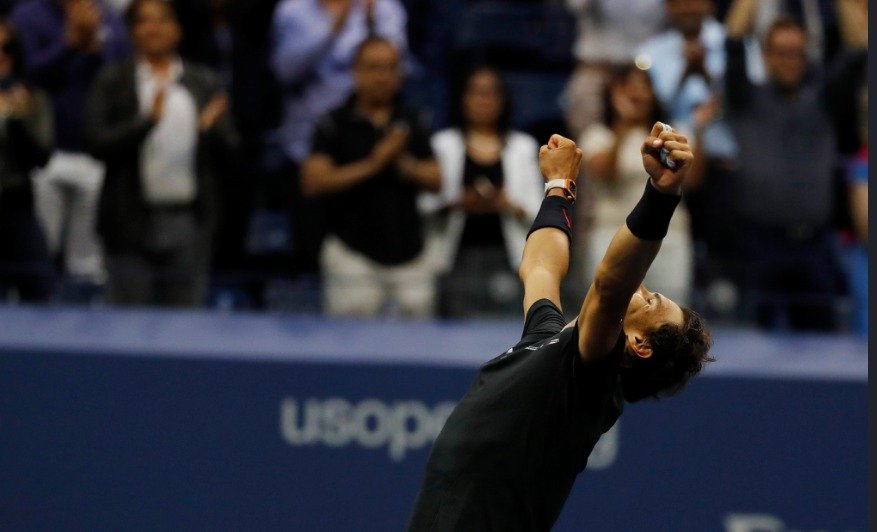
(133, 11)
(679, 352)
(784, 22)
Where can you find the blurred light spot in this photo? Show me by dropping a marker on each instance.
(643, 61)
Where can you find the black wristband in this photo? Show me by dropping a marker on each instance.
(555, 212)
(650, 219)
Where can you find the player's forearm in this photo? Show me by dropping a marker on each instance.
(624, 267)
(545, 263)
(636, 244)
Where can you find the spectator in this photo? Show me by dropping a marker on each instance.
(686, 64)
(609, 32)
(25, 143)
(613, 164)
(491, 189)
(160, 125)
(371, 158)
(314, 46)
(782, 201)
(313, 50)
(65, 43)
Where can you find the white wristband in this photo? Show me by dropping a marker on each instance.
(566, 184)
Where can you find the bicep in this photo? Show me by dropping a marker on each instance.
(541, 285)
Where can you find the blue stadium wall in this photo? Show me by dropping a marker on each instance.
(175, 421)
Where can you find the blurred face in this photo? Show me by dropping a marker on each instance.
(633, 98)
(5, 52)
(688, 15)
(483, 100)
(377, 74)
(648, 311)
(155, 31)
(785, 57)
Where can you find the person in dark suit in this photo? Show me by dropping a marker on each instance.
(160, 125)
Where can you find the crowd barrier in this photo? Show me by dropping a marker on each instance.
(158, 420)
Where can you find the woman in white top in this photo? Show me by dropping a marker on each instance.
(613, 168)
(491, 191)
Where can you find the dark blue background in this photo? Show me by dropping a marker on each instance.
(124, 443)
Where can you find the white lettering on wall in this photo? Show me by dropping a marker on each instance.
(400, 426)
(759, 523)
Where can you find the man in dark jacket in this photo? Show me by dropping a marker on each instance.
(782, 194)
(160, 126)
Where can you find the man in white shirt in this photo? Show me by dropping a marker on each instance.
(160, 126)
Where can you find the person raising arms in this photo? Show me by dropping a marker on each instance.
(511, 450)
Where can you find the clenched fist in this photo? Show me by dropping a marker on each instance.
(664, 179)
(559, 159)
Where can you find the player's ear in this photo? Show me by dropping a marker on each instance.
(638, 345)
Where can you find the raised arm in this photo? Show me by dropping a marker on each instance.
(635, 245)
(852, 19)
(546, 254)
(302, 35)
(738, 25)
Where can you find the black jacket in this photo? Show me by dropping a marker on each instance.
(115, 131)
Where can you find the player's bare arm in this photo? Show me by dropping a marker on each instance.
(628, 257)
(546, 254)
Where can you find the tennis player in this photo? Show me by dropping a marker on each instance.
(510, 452)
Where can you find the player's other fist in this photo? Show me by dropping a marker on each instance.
(559, 159)
(665, 179)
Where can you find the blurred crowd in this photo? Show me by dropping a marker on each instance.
(379, 157)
